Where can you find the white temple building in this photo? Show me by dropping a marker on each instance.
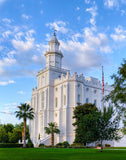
(57, 94)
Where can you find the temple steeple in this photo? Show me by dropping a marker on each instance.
(54, 55)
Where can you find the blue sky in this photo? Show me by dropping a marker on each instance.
(91, 33)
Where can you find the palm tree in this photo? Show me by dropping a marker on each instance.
(51, 130)
(25, 112)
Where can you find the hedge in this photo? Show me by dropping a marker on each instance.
(10, 145)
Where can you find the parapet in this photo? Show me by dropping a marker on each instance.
(69, 77)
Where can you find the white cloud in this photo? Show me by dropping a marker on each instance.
(111, 3)
(6, 34)
(87, 52)
(78, 8)
(114, 3)
(23, 55)
(119, 35)
(4, 83)
(21, 92)
(123, 12)
(21, 45)
(87, 1)
(6, 20)
(59, 26)
(93, 12)
(11, 104)
(7, 61)
(26, 16)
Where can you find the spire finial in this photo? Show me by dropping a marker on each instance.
(54, 33)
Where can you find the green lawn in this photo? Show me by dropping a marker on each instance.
(60, 154)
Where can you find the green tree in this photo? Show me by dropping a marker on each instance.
(15, 136)
(8, 127)
(51, 130)
(85, 118)
(107, 126)
(3, 135)
(4, 130)
(118, 94)
(25, 112)
(21, 127)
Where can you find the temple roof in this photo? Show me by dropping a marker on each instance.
(54, 39)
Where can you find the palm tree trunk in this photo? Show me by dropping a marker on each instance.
(52, 139)
(24, 145)
(101, 146)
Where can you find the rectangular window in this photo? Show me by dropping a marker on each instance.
(78, 100)
(64, 99)
(56, 102)
(42, 99)
(95, 102)
(86, 100)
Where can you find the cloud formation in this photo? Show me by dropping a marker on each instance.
(21, 92)
(59, 26)
(20, 52)
(113, 3)
(93, 12)
(119, 35)
(5, 83)
(87, 53)
(27, 17)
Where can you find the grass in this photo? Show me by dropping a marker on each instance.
(60, 154)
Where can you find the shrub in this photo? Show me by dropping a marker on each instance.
(30, 144)
(41, 145)
(78, 145)
(99, 145)
(50, 146)
(107, 145)
(65, 144)
(10, 145)
(59, 145)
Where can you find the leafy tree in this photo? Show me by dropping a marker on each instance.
(51, 130)
(94, 125)
(25, 112)
(85, 118)
(15, 136)
(3, 135)
(107, 126)
(4, 130)
(118, 94)
(8, 127)
(21, 127)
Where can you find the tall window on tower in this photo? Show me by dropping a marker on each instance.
(56, 102)
(95, 102)
(87, 101)
(78, 99)
(42, 100)
(64, 99)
